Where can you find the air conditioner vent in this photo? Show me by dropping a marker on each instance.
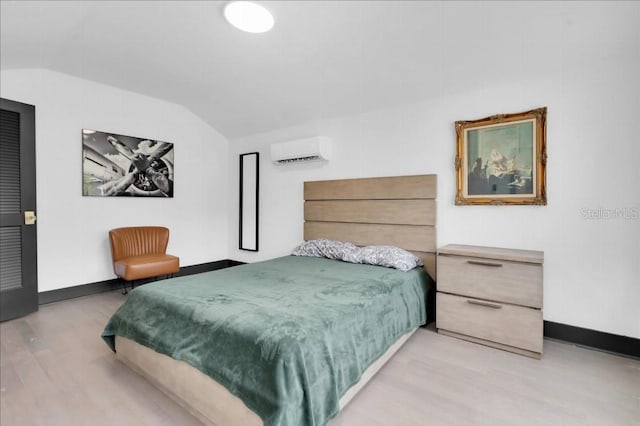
(310, 149)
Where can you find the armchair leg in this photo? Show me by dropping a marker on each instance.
(123, 285)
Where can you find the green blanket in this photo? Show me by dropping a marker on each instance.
(288, 336)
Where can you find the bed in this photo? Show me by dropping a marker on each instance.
(301, 335)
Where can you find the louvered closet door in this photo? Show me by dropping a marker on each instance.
(18, 274)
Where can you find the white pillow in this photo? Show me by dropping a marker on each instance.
(388, 256)
(324, 247)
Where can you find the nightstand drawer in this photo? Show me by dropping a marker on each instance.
(499, 280)
(510, 325)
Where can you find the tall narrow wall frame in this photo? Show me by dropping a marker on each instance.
(249, 201)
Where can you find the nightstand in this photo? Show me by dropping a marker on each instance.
(491, 296)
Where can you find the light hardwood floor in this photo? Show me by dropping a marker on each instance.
(55, 370)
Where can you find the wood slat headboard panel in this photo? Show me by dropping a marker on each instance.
(409, 237)
(406, 212)
(429, 260)
(397, 210)
(383, 188)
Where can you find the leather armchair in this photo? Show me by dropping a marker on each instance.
(140, 252)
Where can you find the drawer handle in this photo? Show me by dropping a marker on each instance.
(475, 262)
(486, 304)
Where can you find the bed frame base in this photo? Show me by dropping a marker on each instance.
(203, 397)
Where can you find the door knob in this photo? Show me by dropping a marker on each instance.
(29, 217)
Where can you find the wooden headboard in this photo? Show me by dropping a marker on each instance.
(398, 211)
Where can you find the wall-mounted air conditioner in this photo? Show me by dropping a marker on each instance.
(310, 149)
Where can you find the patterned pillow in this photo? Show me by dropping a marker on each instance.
(388, 256)
(324, 247)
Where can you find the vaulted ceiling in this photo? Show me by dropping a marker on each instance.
(322, 59)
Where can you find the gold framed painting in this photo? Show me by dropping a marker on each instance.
(502, 159)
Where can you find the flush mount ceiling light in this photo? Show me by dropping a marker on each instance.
(248, 16)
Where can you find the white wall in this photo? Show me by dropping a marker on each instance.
(591, 270)
(73, 247)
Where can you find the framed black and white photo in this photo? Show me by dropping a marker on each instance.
(115, 165)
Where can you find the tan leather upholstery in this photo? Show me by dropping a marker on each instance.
(140, 252)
